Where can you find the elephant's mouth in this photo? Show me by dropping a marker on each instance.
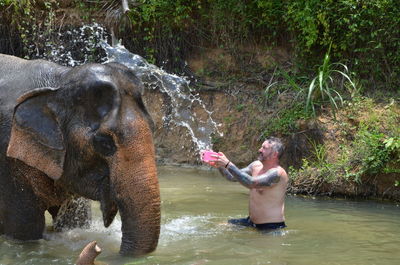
(109, 209)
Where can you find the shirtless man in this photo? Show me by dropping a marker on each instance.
(267, 182)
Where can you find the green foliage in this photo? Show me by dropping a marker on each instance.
(374, 149)
(370, 154)
(240, 107)
(156, 26)
(376, 145)
(365, 33)
(293, 82)
(373, 153)
(7, 2)
(232, 22)
(33, 25)
(87, 8)
(322, 87)
(22, 18)
(318, 164)
(284, 123)
(319, 152)
(370, 151)
(392, 143)
(327, 87)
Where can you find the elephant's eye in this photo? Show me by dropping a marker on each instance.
(104, 144)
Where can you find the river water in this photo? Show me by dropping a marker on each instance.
(196, 202)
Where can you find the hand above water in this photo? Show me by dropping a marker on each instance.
(206, 156)
(219, 160)
(214, 159)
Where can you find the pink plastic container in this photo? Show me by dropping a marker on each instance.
(207, 156)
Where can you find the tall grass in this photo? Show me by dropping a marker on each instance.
(323, 87)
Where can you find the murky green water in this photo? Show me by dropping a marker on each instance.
(195, 206)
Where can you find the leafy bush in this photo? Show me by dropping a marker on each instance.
(364, 34)
(370, 152)
(373, 148)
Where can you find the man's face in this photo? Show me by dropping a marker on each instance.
(266, 151)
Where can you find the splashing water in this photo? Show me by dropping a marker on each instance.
(74, 47)
(183, 99)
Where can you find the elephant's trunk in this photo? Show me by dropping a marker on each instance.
(136, 191)
(88, 254)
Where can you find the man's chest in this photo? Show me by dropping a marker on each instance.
(259, 192)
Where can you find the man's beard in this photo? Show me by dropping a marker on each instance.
(263, 158)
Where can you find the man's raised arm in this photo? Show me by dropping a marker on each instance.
(267, 179)
(225, 172)
(244, 176)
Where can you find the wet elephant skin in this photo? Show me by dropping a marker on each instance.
(81, 131)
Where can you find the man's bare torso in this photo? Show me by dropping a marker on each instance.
(266, 204)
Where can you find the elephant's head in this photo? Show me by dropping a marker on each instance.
(92, 135)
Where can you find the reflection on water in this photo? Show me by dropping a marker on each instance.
(195, 206)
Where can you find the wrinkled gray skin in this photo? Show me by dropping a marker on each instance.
(76, 131)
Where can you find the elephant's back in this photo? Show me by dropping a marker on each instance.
(10, 68)
(7, 102)
(19, 76)
(8, 65)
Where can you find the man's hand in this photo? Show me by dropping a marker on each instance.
(219, 160)
(205, 158)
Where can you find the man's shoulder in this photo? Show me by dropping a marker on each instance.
(282, 172)
(278, 170)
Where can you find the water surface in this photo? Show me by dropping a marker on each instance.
(195, 206)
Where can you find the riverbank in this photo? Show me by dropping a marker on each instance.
(344, 156)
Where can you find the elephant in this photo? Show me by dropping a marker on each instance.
(76, 131)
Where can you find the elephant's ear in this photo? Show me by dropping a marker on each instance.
(36, 137)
